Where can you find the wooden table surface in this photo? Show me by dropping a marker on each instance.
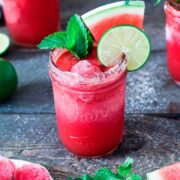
(152, 129)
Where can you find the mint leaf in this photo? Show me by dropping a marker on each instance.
(90, 41)
(134, 177)
(56, 40)
(125, 169)
(124, 173)
(78, 39)
(87, 177)
(69, 178)
(127, 2)
(105, 174)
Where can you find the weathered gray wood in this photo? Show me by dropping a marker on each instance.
(149, 90)
(153, 142)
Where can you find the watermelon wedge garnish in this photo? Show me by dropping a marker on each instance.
(105, 17)
(171, 172)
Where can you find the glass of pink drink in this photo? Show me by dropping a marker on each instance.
(28, 21)
(172, 10)
(89, 95)
(89, 110)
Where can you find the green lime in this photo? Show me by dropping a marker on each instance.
(124, 39)
(4, 43)
(8, 79)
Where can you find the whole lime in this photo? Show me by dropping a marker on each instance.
(8, 79)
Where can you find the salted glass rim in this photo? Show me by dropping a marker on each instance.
(73, 79)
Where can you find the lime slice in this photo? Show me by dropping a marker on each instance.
(4, 43)
(8, 79)
(124, 39)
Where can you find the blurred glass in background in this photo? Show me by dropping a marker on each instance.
(172, 10)
(29, 21)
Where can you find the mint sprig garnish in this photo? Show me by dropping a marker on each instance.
(124, 172)
(126, 167)
(77, 38)
(105, 174)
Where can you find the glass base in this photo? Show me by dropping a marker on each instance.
(98, 156)
(95, 157)
(104, 155)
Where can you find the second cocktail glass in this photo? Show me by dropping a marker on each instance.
(29, 21)
(173, 40)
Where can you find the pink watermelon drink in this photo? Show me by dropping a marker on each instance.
(89, 83)
(89, 107)
(28, 21)
(173, 39)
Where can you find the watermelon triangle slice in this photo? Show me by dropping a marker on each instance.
(105, 17)
(171, 172)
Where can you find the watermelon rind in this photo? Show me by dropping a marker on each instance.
(153, 176)
(113, 9)
(170, 172)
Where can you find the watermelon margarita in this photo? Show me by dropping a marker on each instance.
(28, 21)
(173, 40)
(89, 107)
(89, 82)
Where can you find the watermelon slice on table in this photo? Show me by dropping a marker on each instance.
(171, 172)
(105, 17)
(7, 168)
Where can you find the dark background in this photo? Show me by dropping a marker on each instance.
(153, 14)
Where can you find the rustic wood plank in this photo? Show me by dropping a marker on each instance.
(153, 142)
(34, 93)
(151, 89)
